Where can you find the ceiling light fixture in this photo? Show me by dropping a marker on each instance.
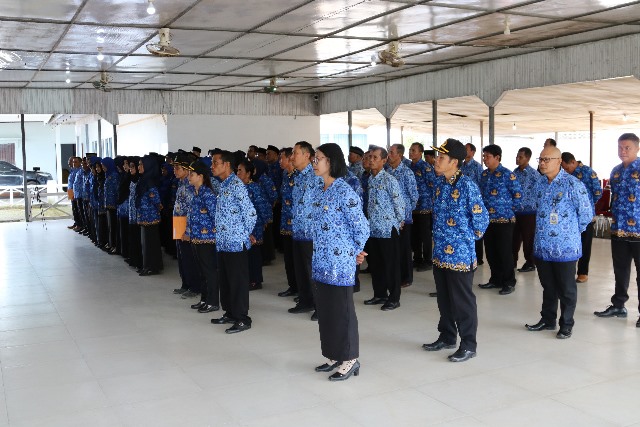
(507, 29)
(68, 80)
(514, 126)
(100, 56)
(151, 9)
(374, 60)
(100, 37)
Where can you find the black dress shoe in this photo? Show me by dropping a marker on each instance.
(208, 308)
(433, 294)
(375, 301)
(222, 320)
(488, 285)
(296, 300)
(255, 286)
(540, 326)
(314, 316)
(198, 305)
(612, 311)
(355, 371)
(238, 327)
(564, 333)
(506, 290)
(148, 272)
(189, 294)
(461, 355)
(326, 367)
(388, 306)
(527, 268)
(438, 345)
(180, 291)
(405, 284)
(300, 309)
(638, 323)
(288, 293)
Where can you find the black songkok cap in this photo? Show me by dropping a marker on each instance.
(356, 150)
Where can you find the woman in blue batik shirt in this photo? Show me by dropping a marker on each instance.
(122, 211)
(111, 182)
(148, 207)
(245, 172)
(135, 247)
(339, 233)
(200, 231)
(103, 229)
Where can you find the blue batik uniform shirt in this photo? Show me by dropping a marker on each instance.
(459, 219)
(201, 216)
(357, 169)
(589, 178)
(304, 189)
(263, 210)
(425, 177)
(473, 170)
(148, 213)
(501, 193)
(286, 194)
(355, 184)
(527, 177)
(235, 216)
(408, 189)
(184, 194)
(385, 208)
(625, 203)
(563, 212)
(275, 173)
(340, 231)
(78, 184)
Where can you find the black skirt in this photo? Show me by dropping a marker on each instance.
(337, 322)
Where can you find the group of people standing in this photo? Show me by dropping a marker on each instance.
(327, 218)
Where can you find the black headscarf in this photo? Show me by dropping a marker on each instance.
(150, 177)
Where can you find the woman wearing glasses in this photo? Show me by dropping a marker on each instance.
(339, 234)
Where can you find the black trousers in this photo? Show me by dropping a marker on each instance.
(233, 277)
(622, 252)
(207, 262)
(102, 229)
(287, 246)
(268, 249)
(75, 210)
(188, 267)
(497, 243)
(88, 219)
(166, 230)
(480, 250)
(302, 253)
(524, 233)
(384, 265)
(81, 214)
(337, 322)
(457, 306)
(421, 238)
(255, 264)
(586, 237)
(406, 262)
(151, 249)
(123, 236)
(135, 246)
(558, 283)
(112, 227)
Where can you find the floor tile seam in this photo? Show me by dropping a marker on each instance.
(604, 419)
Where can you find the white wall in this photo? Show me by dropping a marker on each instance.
(41, 145)
(139, 134)
(238, 132)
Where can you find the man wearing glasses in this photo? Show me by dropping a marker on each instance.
(625, 228)
(563, 212)
(502, 195)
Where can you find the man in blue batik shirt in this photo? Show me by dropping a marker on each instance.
(355, 161)
(473, 169)
(234, 220)
(590, 180)
(386, 213)
(525, 216)
(502, 196)
(459, 219)
(409, 191)
(625, 227)
(421, 238)
(563, 212)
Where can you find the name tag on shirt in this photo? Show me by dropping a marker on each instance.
(553, 218)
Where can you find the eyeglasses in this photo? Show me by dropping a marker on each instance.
(317, 159)
(547, 159)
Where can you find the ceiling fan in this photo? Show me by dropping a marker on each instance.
(103, 83)
(272, 88)
(390, 56)
(163, 48)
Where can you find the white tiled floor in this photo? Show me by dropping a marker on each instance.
(84, 341)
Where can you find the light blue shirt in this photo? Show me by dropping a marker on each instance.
(385, 208)
(235, 216)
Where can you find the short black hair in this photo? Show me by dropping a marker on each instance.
(551, 141)
(419, 145)
(287, 151)
(305, 146)
(399, 148)
(248, 166)
(228, 157)
(430, 153)
(567, 157)
(629, 137)
(337, 165)
(471, 146)
(383, 152)
(526, 151)
(494, 150)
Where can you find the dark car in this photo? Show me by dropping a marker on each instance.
(12, 175)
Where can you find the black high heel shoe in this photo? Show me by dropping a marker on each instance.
(355, 371)
(327, 368)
